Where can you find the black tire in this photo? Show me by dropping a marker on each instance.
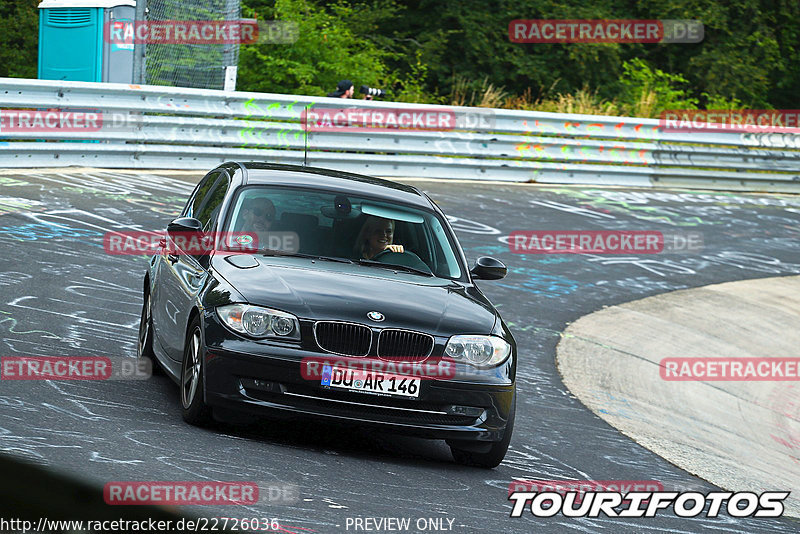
(497, 450)
(193, 407)
(144, 345)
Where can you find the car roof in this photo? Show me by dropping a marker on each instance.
(317, 178)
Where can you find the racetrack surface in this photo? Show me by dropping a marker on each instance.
(60, 294)
(708, 427)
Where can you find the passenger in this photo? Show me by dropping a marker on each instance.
(376, 236)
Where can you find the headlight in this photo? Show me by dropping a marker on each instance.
(256, 321)
(480, 351)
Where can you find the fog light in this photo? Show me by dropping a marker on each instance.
(470, 411)
(260, 385)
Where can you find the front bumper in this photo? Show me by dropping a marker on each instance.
(265, 378)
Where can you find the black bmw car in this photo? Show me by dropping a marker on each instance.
(342, 268)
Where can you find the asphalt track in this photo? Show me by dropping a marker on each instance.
(60, 294)
(709, 428)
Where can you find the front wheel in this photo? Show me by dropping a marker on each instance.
(495, 453)
(193, 408)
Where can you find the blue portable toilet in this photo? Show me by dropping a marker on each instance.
(72, 44)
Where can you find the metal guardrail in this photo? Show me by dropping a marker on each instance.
(179, 128)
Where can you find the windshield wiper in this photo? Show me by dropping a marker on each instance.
(275, 252)
(394, 267)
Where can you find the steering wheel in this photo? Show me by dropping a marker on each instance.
(405, 259)
(385, 252)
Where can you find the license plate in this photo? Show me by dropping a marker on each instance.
(369, 382)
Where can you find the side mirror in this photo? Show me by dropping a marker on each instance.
(184, 224)
(187, 235)
(487, 268)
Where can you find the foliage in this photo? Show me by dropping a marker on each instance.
(651, 91)
(583, 101)
(459, 52)
(750, 53)
(330, 47)
(19, 38)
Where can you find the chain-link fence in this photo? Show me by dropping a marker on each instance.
(189, 65)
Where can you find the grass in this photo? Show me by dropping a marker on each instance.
(583, 101)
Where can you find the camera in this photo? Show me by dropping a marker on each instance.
(371, 91)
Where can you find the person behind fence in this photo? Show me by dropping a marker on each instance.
(376, 236)
(344, 89)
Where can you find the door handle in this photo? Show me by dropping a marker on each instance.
(172, 258)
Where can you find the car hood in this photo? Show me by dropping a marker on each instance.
(325, 290)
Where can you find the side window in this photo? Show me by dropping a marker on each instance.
(193, 206)
(209, 210)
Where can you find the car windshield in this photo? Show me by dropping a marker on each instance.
(285, 221)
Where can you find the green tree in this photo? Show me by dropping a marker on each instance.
(330, 47)
(751, 49)
(650, 91)
(420, 49)
(19, 38)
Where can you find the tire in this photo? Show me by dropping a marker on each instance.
(497, 451)
(193, 406)
(144, 345)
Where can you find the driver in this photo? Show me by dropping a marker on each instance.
(256, 218)
(258, 214)
(376, 236)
